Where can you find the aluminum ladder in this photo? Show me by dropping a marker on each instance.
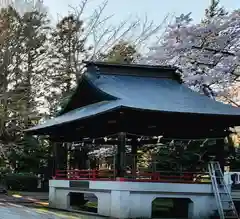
(225, 205)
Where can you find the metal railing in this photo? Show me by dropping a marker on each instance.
(142, 176)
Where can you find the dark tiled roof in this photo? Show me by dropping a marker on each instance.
(83, 112)
(163, 94)
(159, 94)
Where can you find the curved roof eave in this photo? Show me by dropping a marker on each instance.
(78, 114)
(84, 78)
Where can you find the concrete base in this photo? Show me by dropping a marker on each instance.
(133, 199)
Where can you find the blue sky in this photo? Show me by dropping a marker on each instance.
(154, 9)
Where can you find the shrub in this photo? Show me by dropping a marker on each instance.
(3, 172)
(21, 181)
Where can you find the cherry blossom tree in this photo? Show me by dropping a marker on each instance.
(23, 6)
(207, 54)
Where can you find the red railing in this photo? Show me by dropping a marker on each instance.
(85, 174)
(109, 175)
(163, 176)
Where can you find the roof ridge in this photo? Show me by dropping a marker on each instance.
(135, 70)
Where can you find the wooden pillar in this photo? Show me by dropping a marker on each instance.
(134, 155)
(71, 158)
(220, 153)
(76, 157)
(121, 155)
(80, 157)
(60, 156)
(55, 160)
(59, 159)
(93, 163)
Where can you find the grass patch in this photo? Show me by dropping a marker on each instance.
(163, 204)
(91, 204)
(9, 192)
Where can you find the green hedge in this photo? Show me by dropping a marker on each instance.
(21, 181)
